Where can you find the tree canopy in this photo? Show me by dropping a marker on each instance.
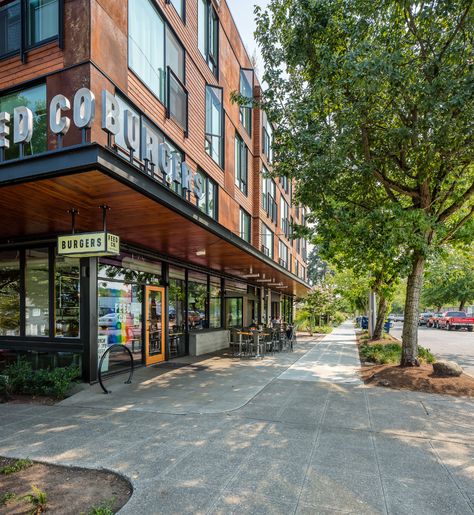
(373, 107)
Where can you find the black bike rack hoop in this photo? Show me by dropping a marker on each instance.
(130, 376)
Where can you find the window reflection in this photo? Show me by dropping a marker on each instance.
(197, 300)
(10, 293)
(67, 297)
(176, 312)
(215, 317)
(37, 292)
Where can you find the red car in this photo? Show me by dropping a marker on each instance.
(451, 320)
(433, 320)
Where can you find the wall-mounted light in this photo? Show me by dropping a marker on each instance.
(201, 252)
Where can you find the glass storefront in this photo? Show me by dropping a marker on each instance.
(10, 293)
(177, 312)
(67, 297)
(120, 302)
(215, 303)
(197, 301)
(37, 292)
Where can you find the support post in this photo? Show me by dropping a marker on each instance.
(89, 316)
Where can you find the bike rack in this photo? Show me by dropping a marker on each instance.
(129, 380)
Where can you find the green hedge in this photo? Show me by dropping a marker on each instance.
(20, 378)
(391, 353)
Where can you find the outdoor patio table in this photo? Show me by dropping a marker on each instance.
(242, 333)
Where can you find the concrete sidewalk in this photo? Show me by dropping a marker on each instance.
(301, 444)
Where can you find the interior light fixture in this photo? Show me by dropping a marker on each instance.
(201, 252)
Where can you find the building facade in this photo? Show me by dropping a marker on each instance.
(116, 120)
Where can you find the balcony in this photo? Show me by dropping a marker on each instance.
(176, 100)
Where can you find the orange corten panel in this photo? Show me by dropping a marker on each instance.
(96, 56)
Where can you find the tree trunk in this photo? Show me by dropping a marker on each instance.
(381, 315)
(461, 306)
(412, 303)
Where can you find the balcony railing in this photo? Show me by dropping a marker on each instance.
(266, 251)
(176, 100)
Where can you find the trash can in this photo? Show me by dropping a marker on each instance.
(387, 326)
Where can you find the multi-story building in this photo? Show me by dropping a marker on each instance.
(117, 126)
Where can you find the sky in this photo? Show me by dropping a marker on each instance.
(242, 11)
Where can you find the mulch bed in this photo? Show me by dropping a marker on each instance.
(29, 399)
(418, 379)
(69, 490)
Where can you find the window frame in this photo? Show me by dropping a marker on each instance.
(24, 47)
(245, 224)
(209, 182)
(241, 149)
(266, 231)
(211, 18)
(245, 108)
(182, 15)
(221, 162)
(284, 263)
(168, 70)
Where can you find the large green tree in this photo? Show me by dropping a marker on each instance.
(373, 107)
(450, 279)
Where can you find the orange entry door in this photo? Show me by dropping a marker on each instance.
(155, 325)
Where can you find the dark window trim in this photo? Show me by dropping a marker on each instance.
(167, 26)
(242, 108)
(24, 47)
(183, 16)
(243, 185)
(210, 181)
(248, 218)
(209, 19)
(170, 73)
(221, 165)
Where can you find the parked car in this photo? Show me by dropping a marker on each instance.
(451, 320)
(424, 317)
(433, 320)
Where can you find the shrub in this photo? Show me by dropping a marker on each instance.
(323, 329)
(391, 353)
(51, 383)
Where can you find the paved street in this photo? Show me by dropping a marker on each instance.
(453, 345)
(304, 436)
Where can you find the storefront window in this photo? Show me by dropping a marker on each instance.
(9, 293)
(67, 296)
(215, 303)
(197, 301)
(37, 292)
(176, 312)
(234, 312)
(35, 99)
(120, 315)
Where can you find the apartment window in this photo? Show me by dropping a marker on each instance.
(297, 268)
(268, 196)
(35, 99)
(283, 254)
(208, 34)
(246, 91)
(285, 184)
(208, 203)
(178, 5)
(241, 164)
(41, 24)
(267, 241)
(244, 225)
(267, 138)
(176, 94)
(42, 20)
(10, 28)
(146, 41)
(284, 217)
(215, 124)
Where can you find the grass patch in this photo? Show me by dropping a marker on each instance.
(7, 497)
(390, 353)
(104, 508)
(15, 467)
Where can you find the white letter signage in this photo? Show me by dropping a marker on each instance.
(22, 124)
(58, 123)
